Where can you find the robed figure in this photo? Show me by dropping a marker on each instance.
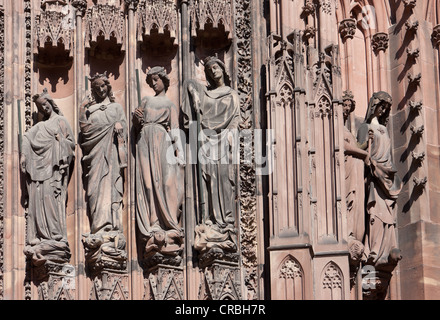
(103, 138)
(214, 111)
(383, 185)
(356, 157)
(159, 174)
(47, 152)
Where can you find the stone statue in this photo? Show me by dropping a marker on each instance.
(382, 187)
(47, 152)
(103, 138)
(355, 158)
(216, 109)
(159, 174)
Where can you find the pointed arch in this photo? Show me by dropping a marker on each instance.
(291, 276)
(332, 282)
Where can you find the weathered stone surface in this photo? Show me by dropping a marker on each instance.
(284, 228)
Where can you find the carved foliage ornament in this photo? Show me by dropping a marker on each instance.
(326, 6)
(248, 220)
(80, 6)
(380, 42)
(347, 29)
(28, 113)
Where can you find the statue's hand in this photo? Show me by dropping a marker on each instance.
(367, 160)
(85, 102)
(23, 163)
(195, 97)
(138, 118)
(118, 128)
(371, 135)
(180, 160)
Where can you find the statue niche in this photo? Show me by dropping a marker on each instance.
(47, 153)
(103, 138)
(159, 175)
(214, 110)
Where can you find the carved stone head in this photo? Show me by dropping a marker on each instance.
(349, 104)
(208, 64)
(381, 100)
(43, 98)
(98, 81)
(161, 73)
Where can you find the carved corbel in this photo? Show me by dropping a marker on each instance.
(309, 33)
(420, 183)
(412, 26)
(414, 79)
(380, 42)
(347, 29)
(436, 36)
(418, 158)
(410, 4)
(413, 54)
(415, 106)
(309, 8)
(417, 131)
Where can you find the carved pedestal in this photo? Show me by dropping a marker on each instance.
(54, 281)
(105, 251)
(220, 281)
(164, 282)
(110, 285)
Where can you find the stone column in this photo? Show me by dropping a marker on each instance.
(132, 103)
(2, 151)
(347, 30)
(80, 90)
